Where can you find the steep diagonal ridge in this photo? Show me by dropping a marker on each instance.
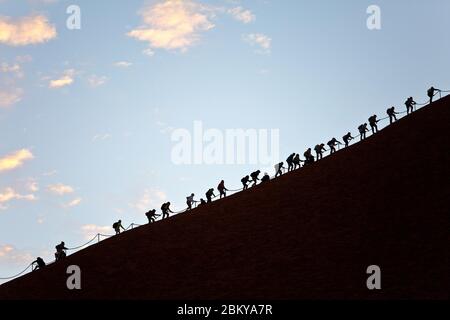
(309, 234)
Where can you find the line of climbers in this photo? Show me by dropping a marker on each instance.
(293, 162)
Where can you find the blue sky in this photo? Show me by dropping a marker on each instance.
(86, 115)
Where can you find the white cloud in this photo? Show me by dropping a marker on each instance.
(91, 230)
(9, 254)
(60, 189)
(32, 185)
(241, 14)
(14, 68)
(9, 97)
(123, 64)
(66, 79)
(96, 81)
(148, 52)
(10, 72)
(9, 194)
(150, 199)
(173, 24)
(27, 30)
(5, 250)
(15, 159)
(100, 137)
(72, 203)
(260, 40)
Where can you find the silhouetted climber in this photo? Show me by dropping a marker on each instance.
(347, 138)
(245, 181)
(290, 162)
(410, 103)
(332, 144)
(222, 189)
(151, 216)
(279, 169)
(202, 202)
(297, 161)
(362, 131)
(309, 158)
(60, 251)
(190, 201)
(117, 225)
(319, 149)
(38, 263)
(373, 123)
(432, 92)
(392, 114)
(165, 209)
(254, 176)
(265, 178)
(209, 194)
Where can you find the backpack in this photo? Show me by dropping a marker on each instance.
(163, 207)
(115, 225)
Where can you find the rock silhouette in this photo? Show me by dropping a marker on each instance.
(309, 234)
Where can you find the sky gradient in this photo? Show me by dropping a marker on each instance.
(86, 115)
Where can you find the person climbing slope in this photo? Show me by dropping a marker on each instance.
(279, 169)
(347, 138)
(362, 131)
(222, 189)
(190, 201)
(254, 177)
(117, 225)
(165, 209)
(245, 181)
(151, 216)
(209, 194)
